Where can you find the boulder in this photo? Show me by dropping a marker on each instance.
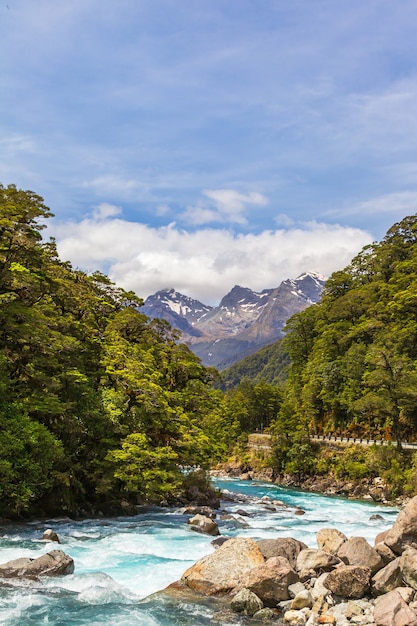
(302, 600)
(408, 565)
(270, 581)
(349, 581)
(357, 551)
(295, 618)
(330, 540)
(315, 560)
(387, 579)
(202, 524)
(404, 530)
(54, 563)
(222, 570)
(50, 535)
(391, 610)
(386, 554)
(282, 546)
(246, 602)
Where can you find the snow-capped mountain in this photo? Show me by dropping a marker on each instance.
(243, 322)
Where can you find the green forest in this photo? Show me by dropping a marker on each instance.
(99, 404)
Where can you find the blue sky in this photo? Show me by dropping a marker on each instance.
(200, 144)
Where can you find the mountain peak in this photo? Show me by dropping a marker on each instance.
(243, 322)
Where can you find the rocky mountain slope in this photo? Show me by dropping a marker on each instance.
(243, 322)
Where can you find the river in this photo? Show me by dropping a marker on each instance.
(120, 562)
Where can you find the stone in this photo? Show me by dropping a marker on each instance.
(282, 546)
(387, 579)
(219, 541)
(313, 559)
(246, 602)
(407, 594)
(326, 619)
(319, 588)
(380, 537)
(270, 581)
(404, 530)
(265, 614)
(295, 618)
(408, 565)
(391, 610)
(202, 524)
(302, 600)
(295, 588)
(386, 554)
(357, 551)
(349, 581)
(330, 540)
(222, 570)
(50, 535)
(54, 563)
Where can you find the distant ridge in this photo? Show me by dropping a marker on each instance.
(243, 322)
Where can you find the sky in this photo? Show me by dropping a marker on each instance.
(199, 144)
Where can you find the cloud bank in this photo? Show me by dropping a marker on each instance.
(204, 264)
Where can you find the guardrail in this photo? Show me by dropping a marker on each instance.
(363, 441)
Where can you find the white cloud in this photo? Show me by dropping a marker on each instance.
(105, 210)
(223, 206)
(207, 263)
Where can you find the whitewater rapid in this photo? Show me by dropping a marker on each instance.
(120, 562)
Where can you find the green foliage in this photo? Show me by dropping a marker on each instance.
(97, 399)
(353, 356)
(267, 365)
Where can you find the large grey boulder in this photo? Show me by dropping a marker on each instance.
(54, 563)
(404, 530)
(271, 580)
(330, 540)
(349, 581)
(357, 551)
(282, 546)
(222, 570)
(391, 610)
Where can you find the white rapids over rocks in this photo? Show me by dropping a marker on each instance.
(121, 561)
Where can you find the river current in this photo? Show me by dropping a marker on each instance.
(120, 562)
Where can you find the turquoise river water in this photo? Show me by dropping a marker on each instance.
(120, 562)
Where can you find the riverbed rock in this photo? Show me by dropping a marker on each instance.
(357, 551)
(50, 535)
(302, 600)
(313, 560)
(223, 569)
(282, 546)
(403, 533)
(54, 563)
(349, 581)
(391, 610)
(246, 602)
(386, 554)
(387, 579)
(408, 565)
(201, 523)
(270, 581)
(330, 540)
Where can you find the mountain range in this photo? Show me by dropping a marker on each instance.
(241, 324)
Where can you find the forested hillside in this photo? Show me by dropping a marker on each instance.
(99, 403)
(269, 364)
(96, 401)
(354, 355)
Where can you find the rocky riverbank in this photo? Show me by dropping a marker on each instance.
(371, 489)
(343, 581)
